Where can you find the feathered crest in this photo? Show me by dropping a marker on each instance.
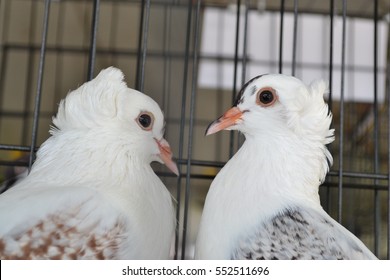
(316, 120)
(94, 100)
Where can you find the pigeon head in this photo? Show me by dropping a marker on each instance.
(112, 114)
(276, 106)
(276, 101)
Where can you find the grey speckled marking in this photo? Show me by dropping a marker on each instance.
(239, 98)
(298, 234)
(253, 90)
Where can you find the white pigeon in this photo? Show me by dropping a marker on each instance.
(92, 193)
(264, 203)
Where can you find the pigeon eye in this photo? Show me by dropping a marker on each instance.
(145, 120)
(266, 97)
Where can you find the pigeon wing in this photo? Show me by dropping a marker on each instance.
(59, 223)
(301, 234)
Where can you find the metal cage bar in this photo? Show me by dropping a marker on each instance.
(235, 71)
(196, 42)
(341, 140)
(377, 222)
(388, 148)
(39, 83)
(282, 8)
(330, 98)
(182, 124)
(94, 31)
(295, 39)
(29, 70)
(145, 33)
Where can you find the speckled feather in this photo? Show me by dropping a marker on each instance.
(54, 237)
(299, 234)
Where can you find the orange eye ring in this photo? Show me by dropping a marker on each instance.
(145, 120)
(266, 97)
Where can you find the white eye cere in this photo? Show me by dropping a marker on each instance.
(145, 120)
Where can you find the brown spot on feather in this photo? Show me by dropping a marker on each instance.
(73, 256)
(99, 255)
(92, 242)
(57, 257)
(40, 226)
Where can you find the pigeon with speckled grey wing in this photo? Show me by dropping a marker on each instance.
(264, 203)
(92, 193)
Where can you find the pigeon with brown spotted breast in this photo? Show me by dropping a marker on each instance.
(92, 193)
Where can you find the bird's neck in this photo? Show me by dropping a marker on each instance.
(283, 165)
(74, 160)
(267, 174)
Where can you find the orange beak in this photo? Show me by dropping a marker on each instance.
(230, 118)
(166, 155)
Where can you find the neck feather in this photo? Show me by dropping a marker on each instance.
(285, 164)
(71, 159)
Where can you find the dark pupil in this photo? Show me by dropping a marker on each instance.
(145, 120)
(266, 97)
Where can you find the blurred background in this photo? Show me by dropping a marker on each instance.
(192, 57)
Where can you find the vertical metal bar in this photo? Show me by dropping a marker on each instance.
(231, 146)
(377, 218)
(92, 47)
(219, 80)
(86, 35)
(167, 59)
(245, 44)
(295, 39)
(331, 54)
(3, 66)
(182, 123)
(164, 46)
(388, 138)
(29, 74)
(281, 36)
(241, 137)
(4, 23)
(167, 66)
(139, 55)
(341, 139)
(144, 46)
(34, 132)
(330, 100)
(191, 127)
(4, 16)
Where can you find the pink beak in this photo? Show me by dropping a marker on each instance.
(230, 118)
(166, 155)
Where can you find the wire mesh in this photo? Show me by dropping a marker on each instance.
(160, 45)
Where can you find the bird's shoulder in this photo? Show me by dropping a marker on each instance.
(299, 233)
(59, 223)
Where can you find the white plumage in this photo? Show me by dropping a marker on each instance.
(264, 203)
(91, 193)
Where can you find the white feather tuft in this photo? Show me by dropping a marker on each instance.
(314, 124)
(111, 73)
(92, 103)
